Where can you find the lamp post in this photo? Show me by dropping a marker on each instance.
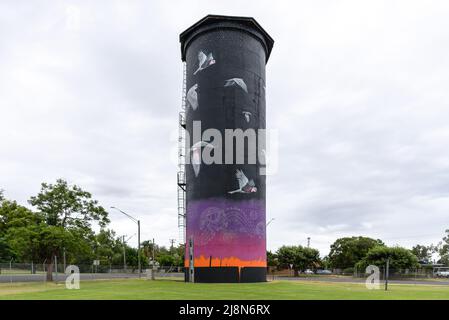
(138, 236)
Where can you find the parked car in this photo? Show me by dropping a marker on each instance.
(442, 273)
(308, 271)
(323, 271)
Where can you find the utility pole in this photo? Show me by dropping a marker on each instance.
(138, 237)
(387, 271)
(56, 269)
(153, 271)
(172, 241)
(124, 254)
(138, 248)
(308, 242)
(63, 252)
(154, 247)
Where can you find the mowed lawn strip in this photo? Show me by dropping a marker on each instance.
(170, 289)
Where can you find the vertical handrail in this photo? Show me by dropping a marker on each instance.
(181, 199)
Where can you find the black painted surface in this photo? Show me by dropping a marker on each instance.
(253, 274)
(237, 55)
(217, 274)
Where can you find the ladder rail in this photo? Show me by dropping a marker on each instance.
(181, 181)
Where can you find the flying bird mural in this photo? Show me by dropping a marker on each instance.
(245, 185)
(247, 116)
(192, 97)
(196, 155)
(236, 82)
(204, 61)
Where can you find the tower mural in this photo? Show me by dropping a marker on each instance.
(225, 200)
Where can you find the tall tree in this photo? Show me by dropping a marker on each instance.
(298, 256)
(443, 249)
(272, 259)
(67, 211)
(107, 245)
(423, 253)
(346, 252)
(13, 216)
(400, 258)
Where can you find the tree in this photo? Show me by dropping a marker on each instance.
(400, 258)
(68, 213)
(107, 245)
(346, 252)
(13, 216)
(423, 253)
(35, 241)
(443, 249)
(272, 259)
(300, 257)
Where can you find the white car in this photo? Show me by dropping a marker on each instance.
(442, 274)
(308, 271)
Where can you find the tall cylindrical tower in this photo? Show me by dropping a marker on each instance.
(225, 121)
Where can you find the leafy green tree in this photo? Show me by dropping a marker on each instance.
(147, 249)
(300, 257)
(272, 259)
(443, 249)
(178, 255)
(67, 211)
(346, 252)
(106, 246)
(12, 216)
(35, 241)
(400, 258)
(423, 253)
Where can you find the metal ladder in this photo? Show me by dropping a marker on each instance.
(181, 176)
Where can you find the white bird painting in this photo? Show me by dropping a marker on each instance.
(245, 185)
(192, 97)
(236, 82)
(247, 116)
(204, 61)
(196, 155)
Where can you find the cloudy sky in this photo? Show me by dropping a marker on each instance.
(358, 90)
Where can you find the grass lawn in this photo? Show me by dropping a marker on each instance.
(171, 289)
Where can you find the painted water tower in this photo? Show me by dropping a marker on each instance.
(224, 95)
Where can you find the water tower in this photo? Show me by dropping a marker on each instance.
(222, 204)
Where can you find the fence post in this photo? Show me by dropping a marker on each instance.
(56, 269)
(10, 270)
(43, 268)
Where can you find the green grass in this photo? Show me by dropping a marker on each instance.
(170, 289)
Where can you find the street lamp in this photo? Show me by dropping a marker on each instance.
(138, 236)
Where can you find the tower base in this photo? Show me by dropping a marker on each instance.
(228, 274)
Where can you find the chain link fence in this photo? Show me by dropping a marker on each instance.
(352, 274)
(37, 272)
